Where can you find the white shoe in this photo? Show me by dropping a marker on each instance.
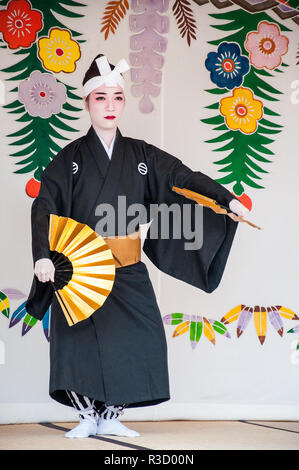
(115, 427)
(87, 427)
(112, 426)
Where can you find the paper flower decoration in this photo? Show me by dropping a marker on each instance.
(42, 95)
(227, 65)
(241, 110)
(19, 24)
(59, 52)
(266, 46)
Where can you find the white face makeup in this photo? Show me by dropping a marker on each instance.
(104, 102)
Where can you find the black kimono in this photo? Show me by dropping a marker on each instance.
(119, 354)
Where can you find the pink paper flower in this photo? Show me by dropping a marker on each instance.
(266, 46)
(42, 95)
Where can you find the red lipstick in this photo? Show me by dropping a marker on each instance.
(109, 117)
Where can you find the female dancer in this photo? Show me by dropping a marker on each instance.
(117, 358)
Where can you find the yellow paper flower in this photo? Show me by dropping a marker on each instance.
(59, 51)
(241, 110)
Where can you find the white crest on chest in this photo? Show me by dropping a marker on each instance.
(75, 167)
(142, 168)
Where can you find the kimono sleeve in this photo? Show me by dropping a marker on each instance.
(201, 267)
(54, 198)
(174, 173)
(44, 205)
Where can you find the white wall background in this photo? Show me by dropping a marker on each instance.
(237, 378)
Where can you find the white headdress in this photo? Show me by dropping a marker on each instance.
(107, 76)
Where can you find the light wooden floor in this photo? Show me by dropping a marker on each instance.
(159, 435)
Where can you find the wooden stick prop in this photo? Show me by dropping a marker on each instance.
(207, 202)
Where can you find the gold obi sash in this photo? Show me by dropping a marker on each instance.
(126, 249)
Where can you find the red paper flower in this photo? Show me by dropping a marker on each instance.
(19, 24)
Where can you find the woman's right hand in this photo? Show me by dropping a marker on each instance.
(44, 269)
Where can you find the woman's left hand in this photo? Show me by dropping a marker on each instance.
(237, 208)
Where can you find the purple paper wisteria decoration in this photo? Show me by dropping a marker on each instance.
(149, 24)
(42, 95)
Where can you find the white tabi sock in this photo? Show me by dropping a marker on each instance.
(87, 426)
(109, 424)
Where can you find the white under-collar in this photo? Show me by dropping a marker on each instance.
(110, 149)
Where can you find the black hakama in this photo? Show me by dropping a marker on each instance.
(119, 354)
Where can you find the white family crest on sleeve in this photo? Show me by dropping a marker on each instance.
(142, 168)
(75, 167)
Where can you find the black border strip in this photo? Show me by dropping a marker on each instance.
(266, 426)
(105, 439)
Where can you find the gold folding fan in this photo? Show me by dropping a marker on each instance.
(84, 268)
